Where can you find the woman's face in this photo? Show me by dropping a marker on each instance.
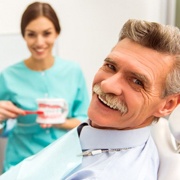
(40, 35)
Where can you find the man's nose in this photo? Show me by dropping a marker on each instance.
(113, 85)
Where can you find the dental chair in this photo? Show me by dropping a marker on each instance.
(166, 134)
(174, 124)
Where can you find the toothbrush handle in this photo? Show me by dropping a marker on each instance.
(34, 112)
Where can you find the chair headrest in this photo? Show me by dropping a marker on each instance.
(174, 123)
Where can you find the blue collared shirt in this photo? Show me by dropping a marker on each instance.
(139, 162)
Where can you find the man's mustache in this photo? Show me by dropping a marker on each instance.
(111, 100)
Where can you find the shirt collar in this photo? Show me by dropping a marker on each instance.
(93, 138)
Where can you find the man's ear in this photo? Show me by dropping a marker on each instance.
(170, 103)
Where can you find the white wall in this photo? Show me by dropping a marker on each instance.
(90, 29)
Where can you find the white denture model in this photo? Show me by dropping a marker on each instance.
(54, 111)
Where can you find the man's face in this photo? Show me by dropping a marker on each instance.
(127, 89)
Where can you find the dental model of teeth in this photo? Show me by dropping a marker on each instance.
(55, 111)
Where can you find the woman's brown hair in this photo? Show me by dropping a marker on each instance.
(37, 9)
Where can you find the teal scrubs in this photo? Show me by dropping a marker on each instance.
(23, 86)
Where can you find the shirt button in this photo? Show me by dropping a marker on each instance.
(42, 73)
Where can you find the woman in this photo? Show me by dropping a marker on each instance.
(40, 76)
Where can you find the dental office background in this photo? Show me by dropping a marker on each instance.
(90, 28)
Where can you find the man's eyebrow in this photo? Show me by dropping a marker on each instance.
(110, 61)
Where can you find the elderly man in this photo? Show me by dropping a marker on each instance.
(137, 84)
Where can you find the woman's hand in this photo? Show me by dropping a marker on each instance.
(46, 125)
(9, 111)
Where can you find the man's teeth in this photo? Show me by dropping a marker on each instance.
(108, 104)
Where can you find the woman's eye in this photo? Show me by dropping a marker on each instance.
(31, 35)
(47, 33)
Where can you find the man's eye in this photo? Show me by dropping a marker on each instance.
(110, 66)
(138, 82)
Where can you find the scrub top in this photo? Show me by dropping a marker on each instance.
(23, 86)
